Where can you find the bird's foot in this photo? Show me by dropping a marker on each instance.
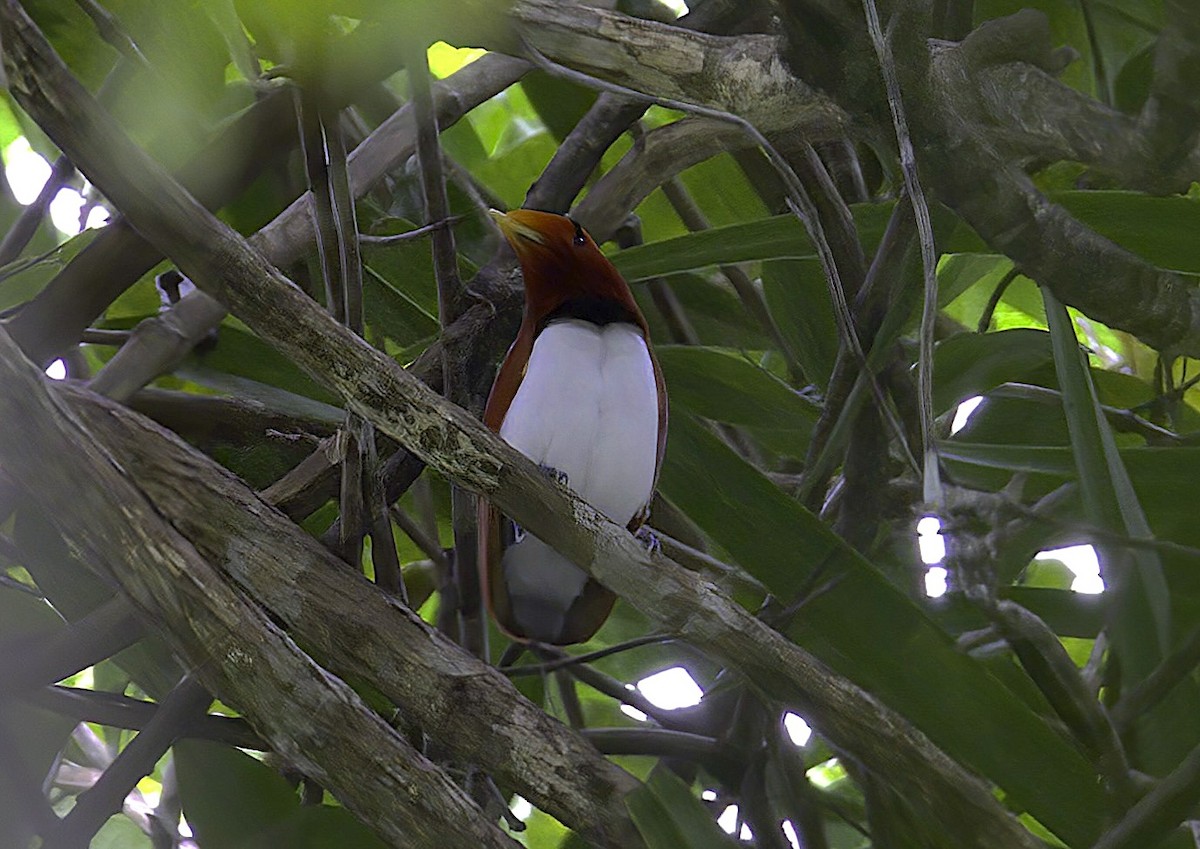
(511, 533)
(648, 539)
(555, 474)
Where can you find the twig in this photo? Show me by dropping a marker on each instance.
(473, 625)
(933, 494)
(31, 217)
(1159, 811)
(663, 742)
(342, 195)
(580, 152)
(385, 561)
(1150, 691)
(571, 705)
(352, 519)
(429, 545)
(136, 760)
(1119, 418)
(732, 577)
(1056, 675)
(102, 336)
(112, 32)
(760, 807)
(324, 217)
(119, 711)
(411, 235)
(572, 660)
(101, 633)
(989, 309)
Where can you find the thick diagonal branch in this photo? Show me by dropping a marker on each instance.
(312, 718)
(377, 388)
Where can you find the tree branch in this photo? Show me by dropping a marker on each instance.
(740, 74)
(965, 97)
(234, 647)
(376, 387)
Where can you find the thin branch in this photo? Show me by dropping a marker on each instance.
(430, 546)
(1150, 691)
(374, 385)
(472, 623)
(102, 633)
(1160, 811)
(410, 235)
(112, 32)
(32, 216)
(119, 711)
(664, 743)
(137, 760)
(589, 657)
(325, 221)
(932, 477)
(1119, 418)
(989, 309)
(384, 559)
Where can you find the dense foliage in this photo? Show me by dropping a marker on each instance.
(170, 645)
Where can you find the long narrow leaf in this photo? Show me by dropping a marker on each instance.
(860, 623)
(1140, 613)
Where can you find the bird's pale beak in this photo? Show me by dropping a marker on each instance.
(515, 231)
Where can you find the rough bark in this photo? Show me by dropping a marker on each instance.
(375, 387)
(358, 632)
(310, 717)
(985, 104)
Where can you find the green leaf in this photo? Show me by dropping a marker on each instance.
(969, 364)
(230, 798)
(715, 312)
(323, 826)
(120, 833)
(238, 353)
(1162, 230)
(559, 103)
(777, 237)
(727, 387)
(798, 298)
(1140, 626)
(1108, 495)
(669, 816)
(21, 279)
(859, 623)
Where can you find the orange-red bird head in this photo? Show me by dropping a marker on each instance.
(561, 263)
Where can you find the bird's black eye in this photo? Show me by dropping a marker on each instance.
(579, 239)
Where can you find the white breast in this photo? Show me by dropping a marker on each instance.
(588, 407)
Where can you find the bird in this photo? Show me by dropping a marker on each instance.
(580, 393)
